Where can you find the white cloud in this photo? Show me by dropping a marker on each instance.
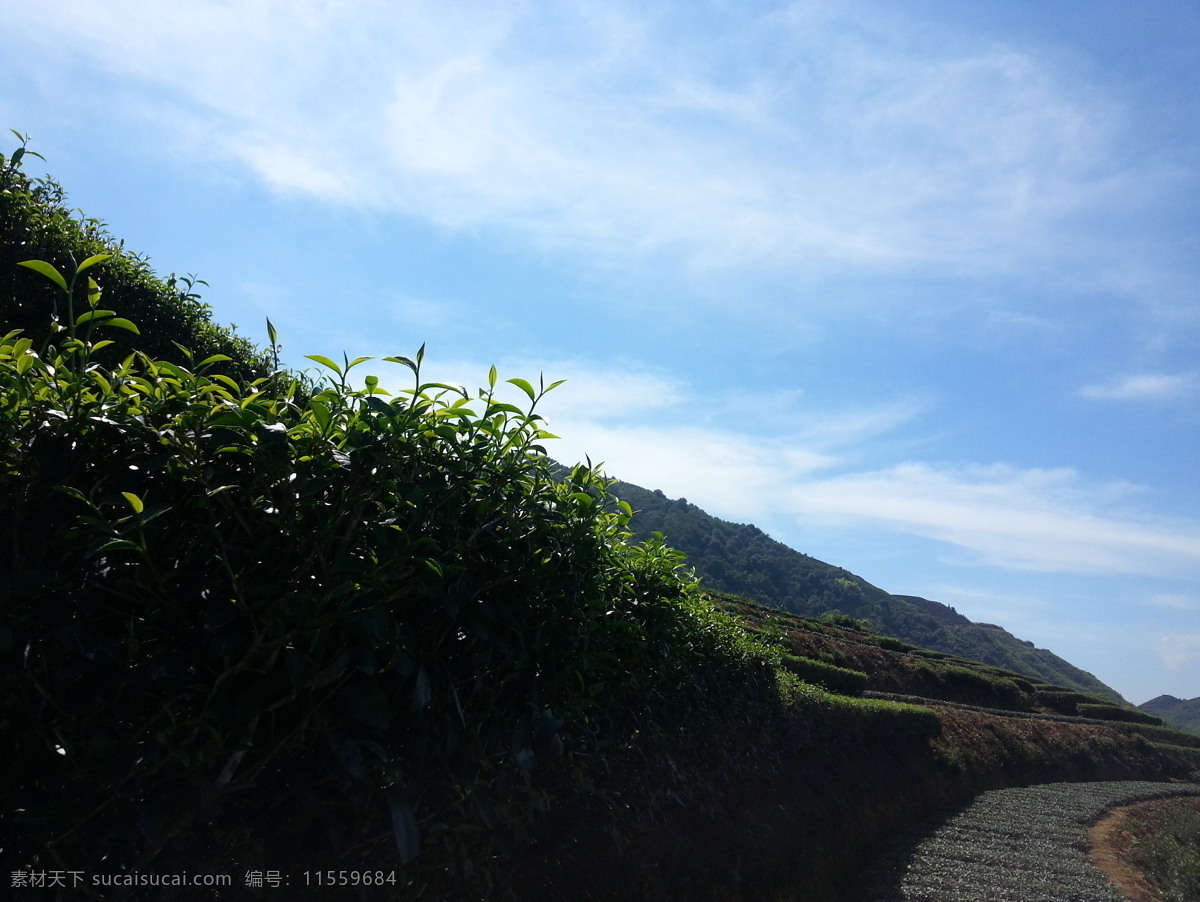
(1179, 652)
(1042, 520)
(1143, 387)
(1176, 601)
(649, 429)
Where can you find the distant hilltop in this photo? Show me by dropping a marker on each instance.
(1183, 714)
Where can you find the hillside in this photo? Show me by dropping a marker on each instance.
(742, 559)
(1179, 713)
(875, 734)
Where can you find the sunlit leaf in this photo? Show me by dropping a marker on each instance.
(92, 261)
(134, 501)
(93, 314)
(46, 270)
(122, 323)
(320, 413)
(500, 407)
(525, 386)
(325, 361)
(405, 361)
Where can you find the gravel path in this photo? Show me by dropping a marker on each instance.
(1010, 845)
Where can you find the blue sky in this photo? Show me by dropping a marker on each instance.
(913, 286)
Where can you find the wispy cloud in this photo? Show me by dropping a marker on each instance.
(651, 429)
(1176, 601)
(1179, 652)
(1028, 519)
(1143, 387)
(800, 139)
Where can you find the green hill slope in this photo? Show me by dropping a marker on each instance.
(875, 734)
(1179, 713)
(742, 559)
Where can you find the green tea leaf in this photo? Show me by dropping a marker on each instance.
(525, 386)
(93, 314)
(46, 270)
(376, 403)
(500, 407)
(116, 545)
(134, 501)
(320, 413)
(405, 361)
(92, 261)
(325, 361)
(122, 323)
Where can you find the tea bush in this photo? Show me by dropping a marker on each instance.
(36, 223)
(842, 680)
(1062, 701)
(963, 684)
(276, 623)
(828, 717)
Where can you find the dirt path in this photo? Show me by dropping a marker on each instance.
(1109, 846)
(1012, 845)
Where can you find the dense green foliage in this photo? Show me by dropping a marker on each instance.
(743, 560)
(36, 224)
(265, 623)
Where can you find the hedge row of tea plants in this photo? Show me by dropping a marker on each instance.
(828, 717)
(1115, 712)
(842, 680)
(267, 622)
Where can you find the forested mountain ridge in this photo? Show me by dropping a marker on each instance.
(742, 559)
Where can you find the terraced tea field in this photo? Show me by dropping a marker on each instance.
(1011, 845)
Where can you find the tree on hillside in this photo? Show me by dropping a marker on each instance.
(36, 224)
